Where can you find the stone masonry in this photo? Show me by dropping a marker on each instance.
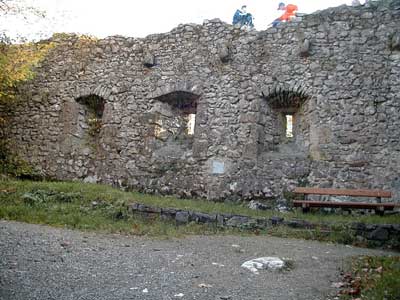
(117, 110)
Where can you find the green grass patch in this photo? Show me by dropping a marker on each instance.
(338, 234)
(69, 204)
(93, 192)
(372, 278)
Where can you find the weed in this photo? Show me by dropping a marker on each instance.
(36, 197)
(372, 277)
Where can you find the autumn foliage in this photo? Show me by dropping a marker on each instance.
(17, 64)
(372, 277)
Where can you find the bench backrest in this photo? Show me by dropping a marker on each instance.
(343, 192)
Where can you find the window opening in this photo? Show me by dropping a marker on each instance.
(289, 126)
(190, 124)
(159, 129)
(176, 119)
(94, 109)
(286, 103)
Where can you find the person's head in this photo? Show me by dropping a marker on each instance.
(281, 6)
(244, 8)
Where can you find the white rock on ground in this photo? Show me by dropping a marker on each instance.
(262, 263)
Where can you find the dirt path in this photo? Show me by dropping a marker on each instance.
(40, 262)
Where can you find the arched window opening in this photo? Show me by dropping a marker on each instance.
(289, 126)
(286, 104)
(159, 130)
(93, 109)
(176, 116)
(191, 123)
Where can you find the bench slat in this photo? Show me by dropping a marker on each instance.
(343, 192)
(362, 205)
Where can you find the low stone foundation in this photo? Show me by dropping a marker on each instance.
(378, 234)
(183, 217)
(375, 235)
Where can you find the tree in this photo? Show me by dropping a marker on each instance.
(17, 56)
(19, 12)
(16, 66)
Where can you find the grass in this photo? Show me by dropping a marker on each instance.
(69, 204)
(372, 278)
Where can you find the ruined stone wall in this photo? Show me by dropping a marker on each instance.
(337, 72)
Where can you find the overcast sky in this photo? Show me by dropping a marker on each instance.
(138, 18)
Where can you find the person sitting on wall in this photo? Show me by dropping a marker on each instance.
(290, 13)
(243, 18)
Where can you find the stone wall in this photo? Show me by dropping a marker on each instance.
(373, 235)
(337, 72)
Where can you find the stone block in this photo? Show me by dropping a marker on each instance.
(395, 41)
(217, 167)
(202, 217)
(396, 229)
(149, 60)
(220, 220)
(298, 224)
(305, 48)
(182, 217)
(359, 227)
(379, 234)
(224, 53)
(276, 220)
(148, 209)
(370, 227)
(168, 212)
(262, 223)
(200, 148)
(237, 221)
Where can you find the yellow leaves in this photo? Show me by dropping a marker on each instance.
(79, 41)
(22, 58)
(87, 39)
(2, 121)
(372, 277)
(17, 63)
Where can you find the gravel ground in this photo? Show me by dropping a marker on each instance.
(41, 262)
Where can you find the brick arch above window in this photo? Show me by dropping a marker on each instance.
(286, 98)
(186, 86)
(99, 90)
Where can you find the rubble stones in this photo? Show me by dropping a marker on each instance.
(149, 60)
(395, 41)
(182, 217)
(305, 48)
(264, 263)
(257, 205)
(224, 53)
(203, 218)
(379, 234)
(299, 224)
(276, 220)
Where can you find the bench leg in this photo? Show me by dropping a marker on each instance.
(305, 208)
(380, 210)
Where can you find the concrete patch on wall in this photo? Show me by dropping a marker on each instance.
(218, 167)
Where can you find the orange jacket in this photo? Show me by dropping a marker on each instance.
(289, 13)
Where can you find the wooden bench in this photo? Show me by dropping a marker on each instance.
(379, 207)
